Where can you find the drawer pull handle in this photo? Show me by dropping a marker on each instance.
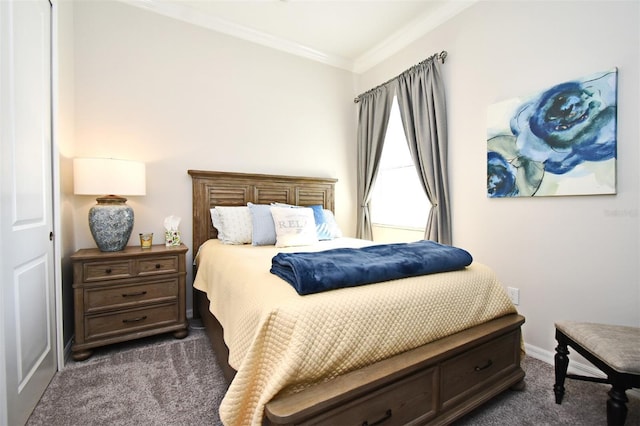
(484, 367)
(107, 271)
(158, 266)
(134, 319)
(383, 419)
(138, 293)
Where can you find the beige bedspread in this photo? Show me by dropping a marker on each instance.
(280, 341)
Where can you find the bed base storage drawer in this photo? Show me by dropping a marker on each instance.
(463, 374)
(396, 404)
(433, 384)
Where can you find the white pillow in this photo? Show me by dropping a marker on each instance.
(215, 220)
(294, 227)
(236, 224)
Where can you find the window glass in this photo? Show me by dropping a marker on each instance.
(398, 198)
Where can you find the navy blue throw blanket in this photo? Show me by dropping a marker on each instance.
(326, 270)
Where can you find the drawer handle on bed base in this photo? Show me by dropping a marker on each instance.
(135, 319)
(137, 293)
(484, 367)
(386, 417)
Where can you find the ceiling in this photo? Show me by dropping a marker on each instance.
(354, 35)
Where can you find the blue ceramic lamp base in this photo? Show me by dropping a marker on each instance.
(111, 223)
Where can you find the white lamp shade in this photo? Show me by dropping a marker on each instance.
(108, 176)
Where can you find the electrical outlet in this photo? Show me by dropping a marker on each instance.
(514, 295)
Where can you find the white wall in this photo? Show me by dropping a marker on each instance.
(181, 97)
(572, 257)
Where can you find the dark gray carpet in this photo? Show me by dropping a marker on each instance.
(153, 381)
(163, 381)
(584, 403)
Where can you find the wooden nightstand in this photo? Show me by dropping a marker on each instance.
(125, 295)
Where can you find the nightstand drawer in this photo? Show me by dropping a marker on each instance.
(487, 362)
(102, 326)
(123, 296)
(157, 265)
(99, 271)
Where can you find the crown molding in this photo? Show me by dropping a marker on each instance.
(385, 49)
(192, 16)
(409, 33)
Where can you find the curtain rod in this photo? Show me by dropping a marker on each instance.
(441, 56)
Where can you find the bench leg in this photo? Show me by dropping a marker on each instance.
(561, 363)
(617, 406)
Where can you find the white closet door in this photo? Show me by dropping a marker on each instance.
(27, 281)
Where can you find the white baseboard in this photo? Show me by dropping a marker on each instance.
(575, 367)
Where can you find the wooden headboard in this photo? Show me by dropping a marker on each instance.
(212, 189)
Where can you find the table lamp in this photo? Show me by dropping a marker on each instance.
(111, 219)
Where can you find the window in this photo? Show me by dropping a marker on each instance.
(398, 199)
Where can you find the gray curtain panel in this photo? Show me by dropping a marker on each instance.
(374, 108)
(421, 100)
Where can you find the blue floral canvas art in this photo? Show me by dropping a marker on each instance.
(559, 142)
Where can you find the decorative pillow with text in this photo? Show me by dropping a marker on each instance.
(294, 227)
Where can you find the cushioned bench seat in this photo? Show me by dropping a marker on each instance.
(614, 349)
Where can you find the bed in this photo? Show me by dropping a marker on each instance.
(412, 375)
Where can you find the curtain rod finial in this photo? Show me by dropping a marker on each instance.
(443, 55)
